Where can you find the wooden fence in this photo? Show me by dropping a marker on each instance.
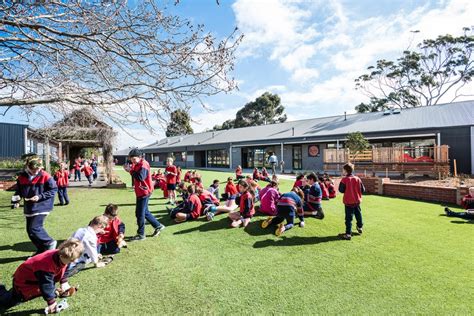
(436, 154)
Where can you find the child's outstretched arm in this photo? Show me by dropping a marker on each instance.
(47, 288)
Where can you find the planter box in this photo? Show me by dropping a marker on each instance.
(116, 185)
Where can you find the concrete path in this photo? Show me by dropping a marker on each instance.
(98, 183)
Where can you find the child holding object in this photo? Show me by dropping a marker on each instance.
(37, 276)
(246, 204)
(112, 239)
(352, 187)
(88, 237)
(62, 181)
(38, 189)
(288, 204)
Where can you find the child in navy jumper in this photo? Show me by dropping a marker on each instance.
(288, 206)
(62, 181)
(352, 187)
(188, 210)
(246, 204)
(313, 195)
(37, 276)
(38, 189)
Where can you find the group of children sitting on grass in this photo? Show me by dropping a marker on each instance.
(303, 200)
(95, 244)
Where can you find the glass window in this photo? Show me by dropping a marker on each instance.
(218, 158)
(297, 158)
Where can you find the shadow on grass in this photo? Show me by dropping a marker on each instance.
(295, 241)
(255, 229)
(207, 226)
(14, 259)
(25, 246)
(463, 222)
(28, 312)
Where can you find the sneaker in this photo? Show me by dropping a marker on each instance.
(52, 245)
(280, 230)
(158, 230)
(267, 222)
(138, 238)
(447, 211)
(301, 224)
(210, 216)
(359, 230)
(320, 215)
(345, 236)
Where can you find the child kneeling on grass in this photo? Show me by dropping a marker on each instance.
(88, 237)
(246, 204)
(37, 276)
(189, 209)
(112, 239)
(467, 203)
(287, 206)
(352, 187)
(313, 196)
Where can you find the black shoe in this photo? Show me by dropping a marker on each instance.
(138, 238)
(447, 211)
(158, 230)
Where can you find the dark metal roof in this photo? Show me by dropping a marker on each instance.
(442, 115)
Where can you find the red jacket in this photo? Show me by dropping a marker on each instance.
(352, 188)
(230, 189)
(298, 183)
(256, 175)
(207, 198)
(62, 178)
(178, 176)
(468, 202)
(247, 209)
(171, 178)
(238, 172)
(195, 206)
(142, 183)
(25, 280)
(187, 176)
(87, 171)
(331, 189)
(324, 190)
(77, 165)
(112, 231)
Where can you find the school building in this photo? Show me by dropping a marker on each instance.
(425, 140)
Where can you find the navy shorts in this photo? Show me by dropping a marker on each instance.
(171, 186)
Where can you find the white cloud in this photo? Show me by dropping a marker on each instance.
(207, 120)
(141, 137)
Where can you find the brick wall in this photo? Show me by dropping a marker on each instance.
(425, 193)
(7, 185)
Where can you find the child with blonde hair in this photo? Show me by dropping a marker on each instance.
(37, 276)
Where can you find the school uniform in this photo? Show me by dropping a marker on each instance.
(313, 196)
(77, 170)
(324, 191)
(94, 168)
(287, 206)
(88, 172)
(192, 208)
(238, 174)
(331, 189)
(187, 176)
(107, 242)
(467, 203)
(208, 199)
(246, 204)
(171, 178)
(44, 186)
(62, 181)
(214, 191)
(143, 187)
(34, 278)
(352, 187)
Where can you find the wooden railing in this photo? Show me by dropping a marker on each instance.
(436, 154)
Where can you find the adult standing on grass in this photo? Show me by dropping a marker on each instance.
(273, 161)
(38, 189)
(143, 185)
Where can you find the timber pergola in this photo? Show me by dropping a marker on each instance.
(80, 129)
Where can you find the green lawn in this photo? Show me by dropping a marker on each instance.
(410, 260)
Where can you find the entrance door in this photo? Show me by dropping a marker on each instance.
(200, 159)
(297, 158)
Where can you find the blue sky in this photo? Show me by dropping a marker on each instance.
(309, 51)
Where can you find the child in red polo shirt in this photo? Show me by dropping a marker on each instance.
(246, 204)
(171, 172)
(238, 173)
(352, 188)
(112, 239)
(37, 276)
(62, 181)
